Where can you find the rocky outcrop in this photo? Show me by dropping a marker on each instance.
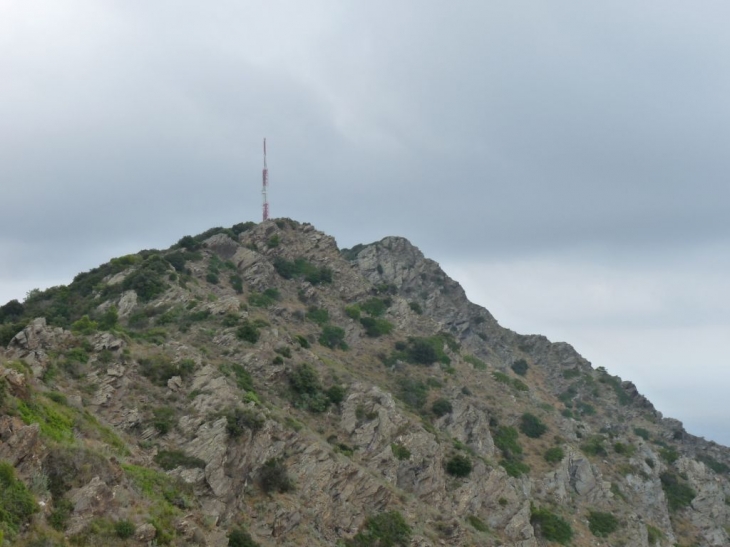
(33, 342)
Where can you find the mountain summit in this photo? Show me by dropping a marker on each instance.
(259, 386)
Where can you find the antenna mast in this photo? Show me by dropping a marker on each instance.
(265, 185)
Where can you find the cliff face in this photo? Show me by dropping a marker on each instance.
(257, 385)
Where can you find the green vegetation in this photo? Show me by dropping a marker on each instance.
(318, 315)
(516, 383)
(459, 466)
(602, 524)
(594, 446)
(654, 535)
(163, 419)
(384, 530)
(56, 421)
(679, 494)
(641, 432)
(375, 327)
(301, 268)
(248, 332)
(263, 300)
(274, 477)
(520, 367)
(416, 307)
(531, 426)
(624, 449)
(333, 337)
(441, 407)
(240, 538)
(353, 312)
(712, 463)
(124, 529)
(148, 279)
(505, 438)
(84, 326)
(413, 392)
(376, 307)
(236, 282)
(478, 524)
(400, 451)
(159, 368)
(669, 455)
(554, 454)
(240, 374)
(550, 526)
(477, 363)
(239, 420)
(170, 459)
(17, 505)
(615, 383)
(307, 389)
(422, 351)
(273, 241)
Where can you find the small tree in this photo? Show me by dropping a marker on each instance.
(531, 426)
(459, 466)
(441, 407)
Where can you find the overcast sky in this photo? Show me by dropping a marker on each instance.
(566, 161)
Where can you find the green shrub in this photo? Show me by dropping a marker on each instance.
(550, 526)
(375, 306)
(353, 312)
(520, 367)
(124, 529)
(514, 467)
(318, 315)
(240, 419)
(654, 535)
(274, 477)
(147, 280)
(477, 363)
(16, 502)
(531, 426)
(383, 530)
(712, 463)
(594, 446)
(416, 307)
(400, 451)
(273, 241)
(170, 459)
(333, 337)
(441, 407)
(163, 419)
(248, 332)
(459, 466)
(304, 379)
(376, 327)
(501, 377)
(336, 394)
(413, 392)
(84, 326)
(602, 524)
(477, 523)
(302, 268)
(554, 454)
(302, 341)
(236, 282)
(505, 439)
(678, 493)
(240, 538)
(641, 432)
(242, 227)
(624, 449)
(160, 368)
(265, 299)
(669, 455)
(212, 277)
(59, 517)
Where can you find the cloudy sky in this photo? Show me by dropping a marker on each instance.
(566, 161)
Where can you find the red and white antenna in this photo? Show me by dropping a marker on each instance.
(266, 185)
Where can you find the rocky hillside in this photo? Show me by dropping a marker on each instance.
(259, 386)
